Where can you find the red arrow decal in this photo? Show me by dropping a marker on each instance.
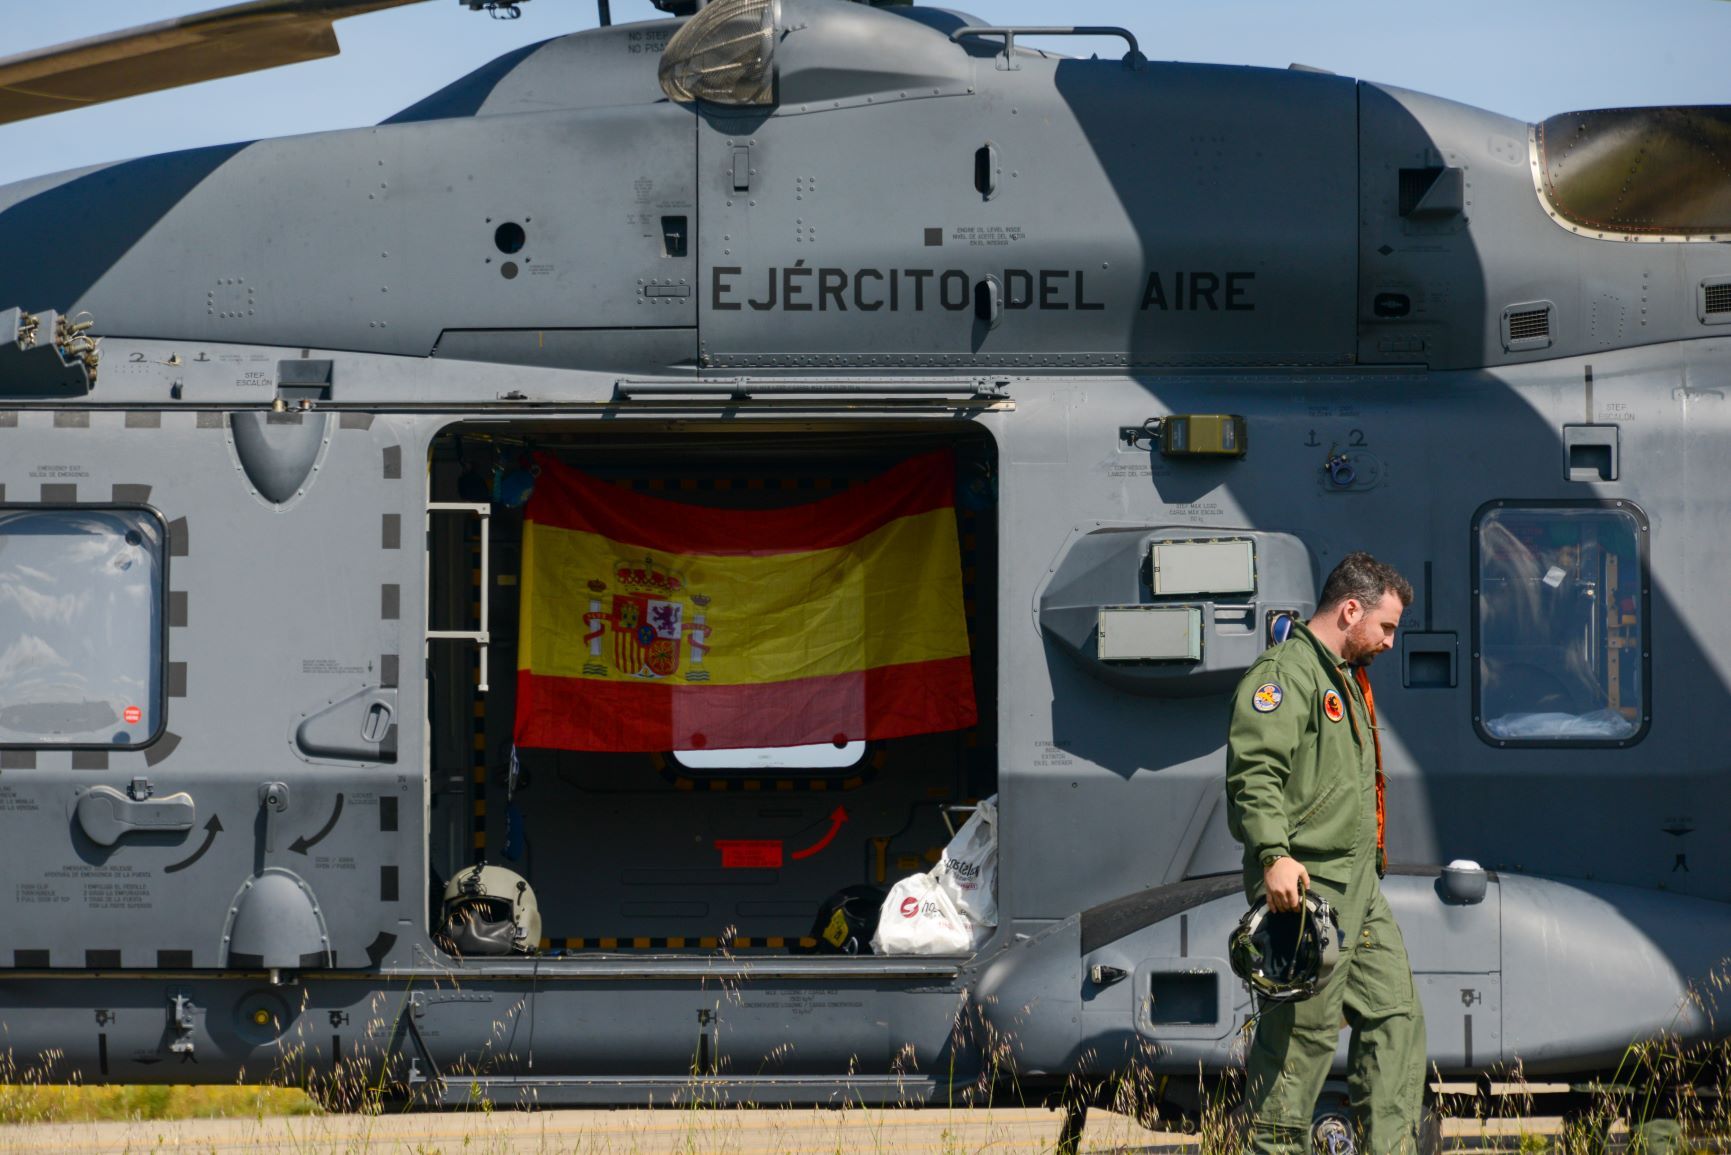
(836, 818)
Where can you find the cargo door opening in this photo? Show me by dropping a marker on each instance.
(684, 845)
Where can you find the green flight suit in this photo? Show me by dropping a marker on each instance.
(1301, 781)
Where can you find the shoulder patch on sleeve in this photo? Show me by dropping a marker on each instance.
(1332, 706)
(1267, 698)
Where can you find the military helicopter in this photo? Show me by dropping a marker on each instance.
(324, 757)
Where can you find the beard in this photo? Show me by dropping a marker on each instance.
(1361, 647)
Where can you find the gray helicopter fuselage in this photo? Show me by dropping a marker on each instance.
(925, 241)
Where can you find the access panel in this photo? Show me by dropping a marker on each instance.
(200, 746)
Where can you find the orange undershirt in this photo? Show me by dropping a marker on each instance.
(1362, 677)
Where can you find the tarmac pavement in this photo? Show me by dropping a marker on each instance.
(673, 1131)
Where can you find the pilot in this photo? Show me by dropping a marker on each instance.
(1303, 782)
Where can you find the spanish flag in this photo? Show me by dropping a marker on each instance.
(650, 624)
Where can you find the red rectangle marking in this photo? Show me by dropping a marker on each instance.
(750, 854)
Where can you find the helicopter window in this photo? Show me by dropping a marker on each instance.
(81, 626)
(1561, 623)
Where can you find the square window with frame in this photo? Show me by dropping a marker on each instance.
(82, 626)
(1560, 623)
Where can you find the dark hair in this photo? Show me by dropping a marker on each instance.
(1364, 579)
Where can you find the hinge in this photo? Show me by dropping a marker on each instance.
(180, 1021)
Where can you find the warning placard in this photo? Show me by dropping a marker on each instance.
(749, 854)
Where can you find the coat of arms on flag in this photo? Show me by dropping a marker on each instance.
(655, 622)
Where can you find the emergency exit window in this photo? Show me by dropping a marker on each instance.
(81, 627)
(1561, 628)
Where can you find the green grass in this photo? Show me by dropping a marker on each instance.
(33, 1103)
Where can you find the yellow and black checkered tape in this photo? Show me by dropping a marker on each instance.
(678, 942)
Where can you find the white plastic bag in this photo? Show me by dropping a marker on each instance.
(919, 918)
(969, 867)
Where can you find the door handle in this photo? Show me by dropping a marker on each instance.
(376, 723)
(989, 301)
(107, 815)
(986, 170)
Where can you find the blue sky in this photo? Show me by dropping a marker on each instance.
(1525, 58)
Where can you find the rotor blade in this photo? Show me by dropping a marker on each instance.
(185, 50)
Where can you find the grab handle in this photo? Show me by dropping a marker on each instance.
(1007, 58)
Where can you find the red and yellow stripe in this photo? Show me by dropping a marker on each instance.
(834, 620)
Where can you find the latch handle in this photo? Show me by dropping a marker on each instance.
(273, 798)
(107, 815)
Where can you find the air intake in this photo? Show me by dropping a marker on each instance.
(1714, 304)
(1527, 327)
(1432, 192)
(1532, 323)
